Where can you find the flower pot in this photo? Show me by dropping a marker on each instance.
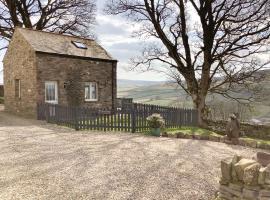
(155, 132)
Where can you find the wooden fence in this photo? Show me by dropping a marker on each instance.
(129, 120)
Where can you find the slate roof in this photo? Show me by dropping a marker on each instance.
(62, 44)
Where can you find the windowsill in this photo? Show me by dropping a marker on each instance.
(52, 102)
(90, 100)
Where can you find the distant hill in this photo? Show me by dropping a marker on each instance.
(168, 94)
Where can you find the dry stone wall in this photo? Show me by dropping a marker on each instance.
(245, 179)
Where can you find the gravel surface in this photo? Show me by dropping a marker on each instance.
(42, 161)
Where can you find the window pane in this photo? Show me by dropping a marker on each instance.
(93, 91)
(87, 91)
(50, 91)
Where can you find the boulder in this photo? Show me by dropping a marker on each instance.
(240, 167)
(226, 189)
(236, 159)
(250, 194)
(180, 135)
(261, 178)
(226, 167)
(214, 138)
(264, 193)
(263, 158)
(251, 174)
(236, 186)
(267, 175)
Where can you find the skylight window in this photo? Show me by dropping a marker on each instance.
(79, 45)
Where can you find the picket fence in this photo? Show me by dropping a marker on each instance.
(132, 119)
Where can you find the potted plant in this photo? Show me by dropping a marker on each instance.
(156, 122)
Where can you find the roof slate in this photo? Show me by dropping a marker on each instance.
(62, 44)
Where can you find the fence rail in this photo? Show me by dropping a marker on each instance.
(129, 120)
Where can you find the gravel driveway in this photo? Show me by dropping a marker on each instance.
(42, 161)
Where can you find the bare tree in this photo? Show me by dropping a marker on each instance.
(209, 45)
(73, 17)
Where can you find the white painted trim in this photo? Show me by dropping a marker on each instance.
(91, 100)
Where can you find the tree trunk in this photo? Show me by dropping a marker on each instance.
(199, 104)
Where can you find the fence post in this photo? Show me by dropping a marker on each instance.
(133, 118)
(76, 119)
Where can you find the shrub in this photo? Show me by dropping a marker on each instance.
(155, 121)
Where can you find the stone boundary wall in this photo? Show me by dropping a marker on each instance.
(250, 130)
(219, 138)
(244, 179)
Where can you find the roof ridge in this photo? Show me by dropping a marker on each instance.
(54, 33)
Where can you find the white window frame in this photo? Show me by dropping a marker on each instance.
(89, 84)
(56, 92)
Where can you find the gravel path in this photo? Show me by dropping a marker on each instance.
(41, 161)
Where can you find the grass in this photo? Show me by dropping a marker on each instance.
(192, 131)
(204, 132)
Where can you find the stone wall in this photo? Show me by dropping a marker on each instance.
(245, 179)
(255, 131)
(71, 74)
(1, 90)
(19, 63)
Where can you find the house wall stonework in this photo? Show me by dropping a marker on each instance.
(71, 73)
(19, 63)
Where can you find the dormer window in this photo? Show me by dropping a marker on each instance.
(79, 45)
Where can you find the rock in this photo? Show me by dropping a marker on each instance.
(197, 137)
(250, 194)
(267, 175)
(263, 145)
(240, 167)
(187, 136)
(261, 178)
(251, 143)
(235, 160)
(242, 142)
(226, 189)
(214, 138)
(225, 196)
(251, 174)
(172, 135)
(237, 187)
(226, 166)
(180, 135)
(263, 158)
(204, 137)
(164, 134)
(264, 193)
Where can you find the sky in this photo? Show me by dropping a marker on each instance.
(114, 34)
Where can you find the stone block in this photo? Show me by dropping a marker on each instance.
(261, 178)
(214, 138)
(235, 160)
(251, 143)
(264, 193)
(263, 158)
(237, 187)
(226, 167)
(225, 189)
(240, 167)
(251, 174)
(250, 194)
(262, 145)
(197, 137)
(187, 136)
(180, 135)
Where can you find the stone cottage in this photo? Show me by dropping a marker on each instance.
(59, 69)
